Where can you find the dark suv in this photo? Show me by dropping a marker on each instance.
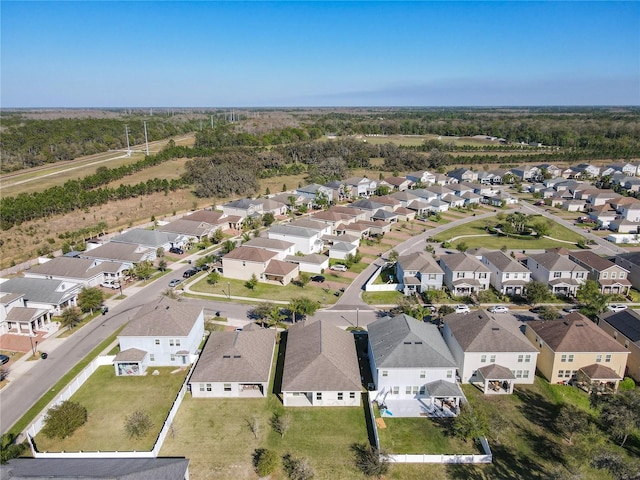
(189, 273)
(176, 250)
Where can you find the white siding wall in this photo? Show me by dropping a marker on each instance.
(404, 377)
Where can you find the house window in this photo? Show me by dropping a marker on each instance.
(604, 275)
(352, 395)
(571, 358)
(460, 275)
(581, 275)
(385, 373)
(621, 276)
(208, 387)
(407, 390)
(152, 357)
(557, 274)
(157, 341)
(525, 374)
(615, 334)
(177, 342)
(396, 390)
(432, 276)
(626, 344)
(244, 264)
(520, 358)
(506, 275)
(202, 387)
(613, 275)
(318, 395)
(482, 275)
(227, 387)
(423, 390)
(598, 358)
(173, 357)
(171, 342)
(423, 374)
(518, 373)
(449, 373)
(492, 359)
(483, 359)
(560, 373)
(607, 358)
(563, 358)
(340, 395)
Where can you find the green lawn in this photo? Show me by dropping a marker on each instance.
(382, 298)
(109, 399)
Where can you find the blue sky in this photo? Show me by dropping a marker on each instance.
(284, 54)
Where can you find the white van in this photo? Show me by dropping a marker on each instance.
(338, 267)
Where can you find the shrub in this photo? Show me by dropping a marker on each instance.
(63, 419)
(265, 461)
(627, 384)
(137, 424)
(369, 460)
(297, 468)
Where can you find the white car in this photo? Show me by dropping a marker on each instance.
(462, 309)
(616, 308)
(112, 284)
(499, 309)
(338, 267)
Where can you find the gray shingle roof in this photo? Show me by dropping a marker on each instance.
(95, 469)
(403, 341)
(185, 227)
(420, 261)
(117, 251)
(555, 262)
(463, 262)
(444, 389)
(147, 238)
(293, 231)
(42, 290)
(244, 356)
(478, 331)
(268, 243)
(74, 267)
(504, 262)
(162, 318)
(320, 357)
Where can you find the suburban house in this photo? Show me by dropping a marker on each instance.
(85, 271)
(152, 239)
(561, 274)
(163, 333)
(320, 227)
(550, 170)
(354, 213)
(422, 176)
(293, 200)
(398, 183)
(585, 170)
(320, 367)
(333, 219)
(281, 248)
(405, 198)
(44, 293)
(463, 175)
(170, 468)
(16, 318)
(235, 364)
(508, 276)
(418, 272)
(316, 192)
(464, 274)
(306, 240)
(611, 278)
(193, 230)
(341, 250)
(244, 207)
(624, 326)
(244, 262)
(368, 206)
(312, 263)
(631, 263)
(574, 348)
(127, 254)
(360, 187)
(526, 173)
(412, 367)
(490, 354)
(625, 168)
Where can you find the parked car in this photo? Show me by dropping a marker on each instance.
(571, 309)
(462, 309)
(432, 308)
(112, 284)
(616, 308)
(3, 359)
(176, 250)
(499, 309)
(189, 273)
(317, 278)
(338, 267)
(174, 282)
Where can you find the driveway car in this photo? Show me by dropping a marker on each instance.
(616, 308)
(462, 309)
(499, 309)
(174, 282)
(3, 359)
(317, 278)
(571, 309)
(112, 284)
(338, 267)
(176, 250)
(189, 273)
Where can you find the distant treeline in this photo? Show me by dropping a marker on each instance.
(28, 143)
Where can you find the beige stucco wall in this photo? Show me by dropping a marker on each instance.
(633, 361)
(232, 268)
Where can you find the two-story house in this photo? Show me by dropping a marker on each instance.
(561, 274)
(244, 207)
(410, 361)
(508, 276)
(611, 278)
(360, 187)
(85, 271)
(491, 354)
(624, 327)
(244, 262)
(280, 247)
(163, 333)
(422, 177)
(464, 274)
(418, 272)
(316, 192)
(306, 240)
(574, 348)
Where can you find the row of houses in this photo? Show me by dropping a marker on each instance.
(469, 273)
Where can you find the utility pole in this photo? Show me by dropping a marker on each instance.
(211, 121)
(146, 139)
(126, 131)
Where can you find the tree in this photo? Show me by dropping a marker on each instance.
(63, 419)
(268, 219)
(253, 423)
(393, 256)
(303, 306)
(162, 265)
(571, 421)
(369, 460)
(303, 279)
(217, 236)
(615, 464)
(143, 270)
(160, 252)
(252, 282)
(265, 461)
(228, 245)
(281, 423)
(137, 424)
(542, 227)
(469, 424)
(297, 468)
(462, 247)
(90, 299)
(70, 316)
(537, 292)
(620, 415)
(213, 277)
(274, 316)
(592, 299)
(9, 449)
(548, 312)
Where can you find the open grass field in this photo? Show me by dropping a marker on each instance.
(109, 399)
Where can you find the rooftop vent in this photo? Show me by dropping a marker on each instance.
(236, 356)
(495, 328)
(226, 356)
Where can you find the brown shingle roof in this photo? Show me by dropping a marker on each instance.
(161, 318)
(574, 333)
(597, 371)
(279, 268)
(250, 254)
(591, 259)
